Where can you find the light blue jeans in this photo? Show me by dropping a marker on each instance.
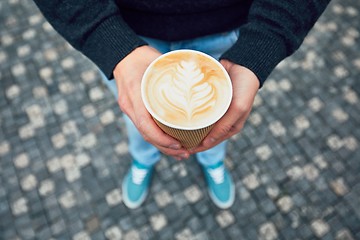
(214, 45)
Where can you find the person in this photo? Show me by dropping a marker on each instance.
(122, 37)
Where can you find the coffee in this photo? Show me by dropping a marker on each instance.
(186, 89)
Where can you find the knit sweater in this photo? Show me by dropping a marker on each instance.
(106, 31)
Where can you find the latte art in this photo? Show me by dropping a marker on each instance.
(186, 93)
(186, 89)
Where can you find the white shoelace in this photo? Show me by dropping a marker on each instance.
(138, 174)
(217, 174)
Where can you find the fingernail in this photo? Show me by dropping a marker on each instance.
(184, 155)
(175, 146)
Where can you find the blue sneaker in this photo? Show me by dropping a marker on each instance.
(135, 185)
(220, 185)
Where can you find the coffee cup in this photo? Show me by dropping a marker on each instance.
(186, 92)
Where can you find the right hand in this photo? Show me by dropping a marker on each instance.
(128, 74)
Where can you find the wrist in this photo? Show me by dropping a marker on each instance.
(237, 71)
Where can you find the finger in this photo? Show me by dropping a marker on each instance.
(153, 134)
(210, 142)
(146, 125)
(177, 154)
(221, 129)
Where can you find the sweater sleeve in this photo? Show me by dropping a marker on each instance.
(275, 29)
(93, 27)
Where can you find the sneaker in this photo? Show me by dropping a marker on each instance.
(220, 185)
(135, 185)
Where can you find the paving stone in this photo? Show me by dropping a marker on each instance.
(18, 70)
(132, 235)
(340, 115)
(218, 233)
(344, 234)
(201, 236)
(19, 206)
(58, 140)
(88, 141)
(351, 143)
(13, 91)
(193, 194)
(263, 152)
(319, 227)
(67, 199)
(88, 111)
(277, 129)
(339, 186)
(63, 146)
(310, 172)
(68, 63)
(163, 198)
(53, 165)
(81, 236)
(267, 231)
(26, 131)
(225, 218)
(255, 119)
(92, 224)
(67, 161)
(66, 88)
(315, 104)
(180, 169)
(146, 233)
(88, 76)
(184, 234)
(251, 181)
(295, 172)
(242, 191)
(113, 233)
(114, 197)
(27, 232)
(96, 94)
(107, 117)
(22, 160)
(180, 199)
(44, 233)
(29, 182)
(158, 221)
(320, 162)
(58, 227)
(72, 174)
(273, 191)
(268, 206)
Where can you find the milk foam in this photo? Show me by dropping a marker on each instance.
(187, 90)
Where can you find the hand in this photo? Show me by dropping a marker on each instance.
(245, 86)
(128, 74)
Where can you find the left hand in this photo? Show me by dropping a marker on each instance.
(245, 86)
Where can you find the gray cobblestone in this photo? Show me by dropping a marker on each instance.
(295, 164)
(344, 234)
(319, 227)
(158, 221)
(193, 194)
(268, 231)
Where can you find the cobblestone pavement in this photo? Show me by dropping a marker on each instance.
(63, 148)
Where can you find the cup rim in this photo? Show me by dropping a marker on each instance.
(158, 118)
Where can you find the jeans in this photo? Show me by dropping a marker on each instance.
(214, 45)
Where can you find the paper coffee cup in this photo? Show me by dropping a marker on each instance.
(186, 92)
